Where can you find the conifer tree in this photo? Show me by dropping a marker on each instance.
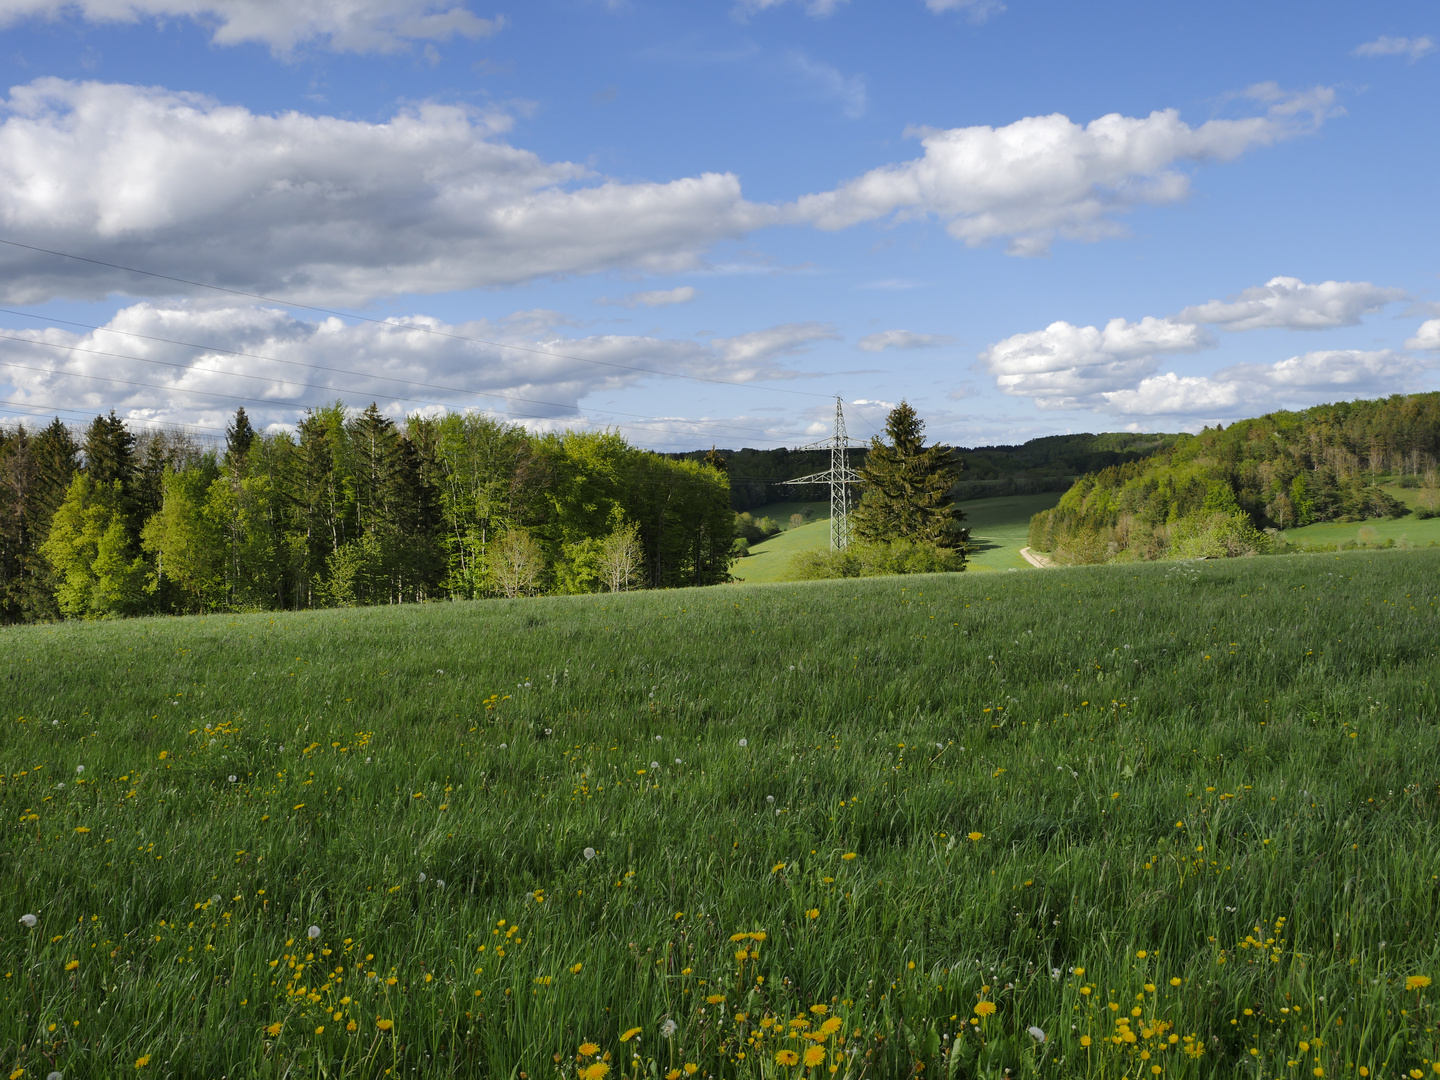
(907, 487)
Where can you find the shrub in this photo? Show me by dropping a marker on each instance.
(876, 560)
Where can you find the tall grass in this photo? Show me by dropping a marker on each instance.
(1200, 799)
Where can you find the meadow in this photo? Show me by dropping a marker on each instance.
(999, 528)
(1112, 822)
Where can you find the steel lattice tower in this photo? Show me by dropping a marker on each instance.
(840, 476)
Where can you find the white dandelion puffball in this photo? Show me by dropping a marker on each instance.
(1036, 1033)
(657, 739)
(668, 1028)
(504, 746)
(439, 883)
(770, 798)
(314, 932)
(654, 764)
(79, 769)
(60, 786)
(233, 778)
(422, 879)
(215, 899)
(30, 920)
(589, 853)
(744, 742)
(54, 723)
(678, 761)
(55, 1076)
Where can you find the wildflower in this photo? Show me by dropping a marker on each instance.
(630, 1034)
(848, 856)
(594, 1071)
(715, 999)
(984, 1008)
(142, 1061)
(1176, 981)
(273, 1030)
(439, 883)
(814, 1055)
(1084, 1040)
(654, 764)
(29, 920)
(691, 1070)
(82, 829)
(575, 968)
(1140, 955)
(314, 932)
(385, 1025)
(667, 1029)
(744, 743)
(422, 878)
(820, 1010)
(1416, 982)
(233, 778)
(79, 769)
(976, 836)
(57, 1075)
(589, 853)
(813, 913)
(320, 1030)
(787, 1057)
(588, 1049)
(1038, 1034)
(770, 798)
(777, 868)
(72, 965)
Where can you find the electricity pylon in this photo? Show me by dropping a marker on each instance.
(840, 476)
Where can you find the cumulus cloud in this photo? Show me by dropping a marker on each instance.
(1414, 48)
(655, 298)
(1290, 303)
(1251, 388)
(977, 10)
(1427, 337)
(902, 339)
(143, 365)
(1064, 366)
(324, 209)
(343, 25)
(1046, 176)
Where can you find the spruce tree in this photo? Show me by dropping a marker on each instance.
(907, 487)
(238, 437)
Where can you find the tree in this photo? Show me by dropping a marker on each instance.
(907, 487)
(516, 561)
(621, 557)
(238, 437)
(89, 546)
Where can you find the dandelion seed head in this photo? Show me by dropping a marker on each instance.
(314, 932)
(79, 769)
(770, 798)
(589, 853)
(654, 764)
(439, 883)
(667, 1029)
(422, 877)
(233, 778)
(30, 920)
(744, 742)
(1036, 1033)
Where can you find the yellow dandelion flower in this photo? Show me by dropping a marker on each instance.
(674, 1074)
(273, 1030)
(17, 1074)
(713, 999)
(976, 836)
(320, 1030)
(636, 1031)
(813, 913)
(1085, 1040)
(787, 1057)
(691, 1070)
(588, 1049)
(984, 1008)
(1141, 955)
(594, 1071)
(575, 968)
(352, 1026)
(72, 965)
(848, 856)
(82, 829)
(820, 1010)
(142, 1061)
(1176, 981)
(385, 1025)
(777, 868)
(1416, 982)
(814, 1056)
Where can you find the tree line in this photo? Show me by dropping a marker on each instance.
(350, 508)
(1226, 491)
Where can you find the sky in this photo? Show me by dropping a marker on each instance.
(700, 222)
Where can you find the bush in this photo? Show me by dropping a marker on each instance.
(876, 560)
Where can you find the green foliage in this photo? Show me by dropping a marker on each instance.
(98, 573)
(906, 488)
(1219, 491)
(752, 530)
(875, 560)
(1245, 795)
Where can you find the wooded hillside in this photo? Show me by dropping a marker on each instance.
(1218, 492)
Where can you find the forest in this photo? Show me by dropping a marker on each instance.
(1229, 491)
(352, 508)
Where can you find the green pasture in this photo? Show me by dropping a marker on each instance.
(999, 528)
(1407, 530)
(1114, 822)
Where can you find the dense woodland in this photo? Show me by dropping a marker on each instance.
(1226, 491)
(350, 509)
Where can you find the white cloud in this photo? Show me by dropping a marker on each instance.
(1169, 394)
(977, 10)
(1427, 337)
(902, 339)
(1064, 366)
(1414, 48)
(829, 83)
(343, 25)
(820, 9)
(655, 298)
(1292, 304)
(406, 365)
(323, 209)
(1046, 176)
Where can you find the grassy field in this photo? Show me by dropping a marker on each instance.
(1410, 529)
(998, 528)
(1179, 820)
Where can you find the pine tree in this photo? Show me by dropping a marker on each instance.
(907, 487)
(110, 452)
(238, 437)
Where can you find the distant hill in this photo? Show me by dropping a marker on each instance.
(1226, 491)
(1052, 463)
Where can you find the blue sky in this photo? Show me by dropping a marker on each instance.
(698, 221)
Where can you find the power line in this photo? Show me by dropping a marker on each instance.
(313, 367)
(388, 322)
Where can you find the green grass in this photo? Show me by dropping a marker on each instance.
(1205, 793)
(1419, 532)
(999, 528)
